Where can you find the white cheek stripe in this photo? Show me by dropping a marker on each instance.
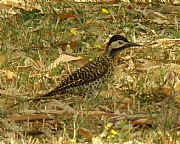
(115, 45)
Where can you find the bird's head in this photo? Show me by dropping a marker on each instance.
(118, 43)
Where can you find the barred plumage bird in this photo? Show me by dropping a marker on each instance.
(94, 74)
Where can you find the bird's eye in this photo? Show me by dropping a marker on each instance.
(120, 42)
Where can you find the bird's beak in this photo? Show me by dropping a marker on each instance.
(130, 44)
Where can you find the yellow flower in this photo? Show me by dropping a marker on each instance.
(113, 132)
(108, 126)
(108, 137)
(74, 31)
(104, 11)
(98, 46)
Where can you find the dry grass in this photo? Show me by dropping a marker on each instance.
(141, 105)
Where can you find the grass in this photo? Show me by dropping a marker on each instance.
(138, 106)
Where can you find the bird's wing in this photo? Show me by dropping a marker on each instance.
(89, 72)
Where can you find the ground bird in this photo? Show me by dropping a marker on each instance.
(92, 76)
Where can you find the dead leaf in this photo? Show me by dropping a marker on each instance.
(81, 62)
(160, 15)
(142, 121)
(63, 58)
(85, 134)
(17, 117)
(9, 74)
(65, 16)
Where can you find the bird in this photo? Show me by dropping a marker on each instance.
(92, 76)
